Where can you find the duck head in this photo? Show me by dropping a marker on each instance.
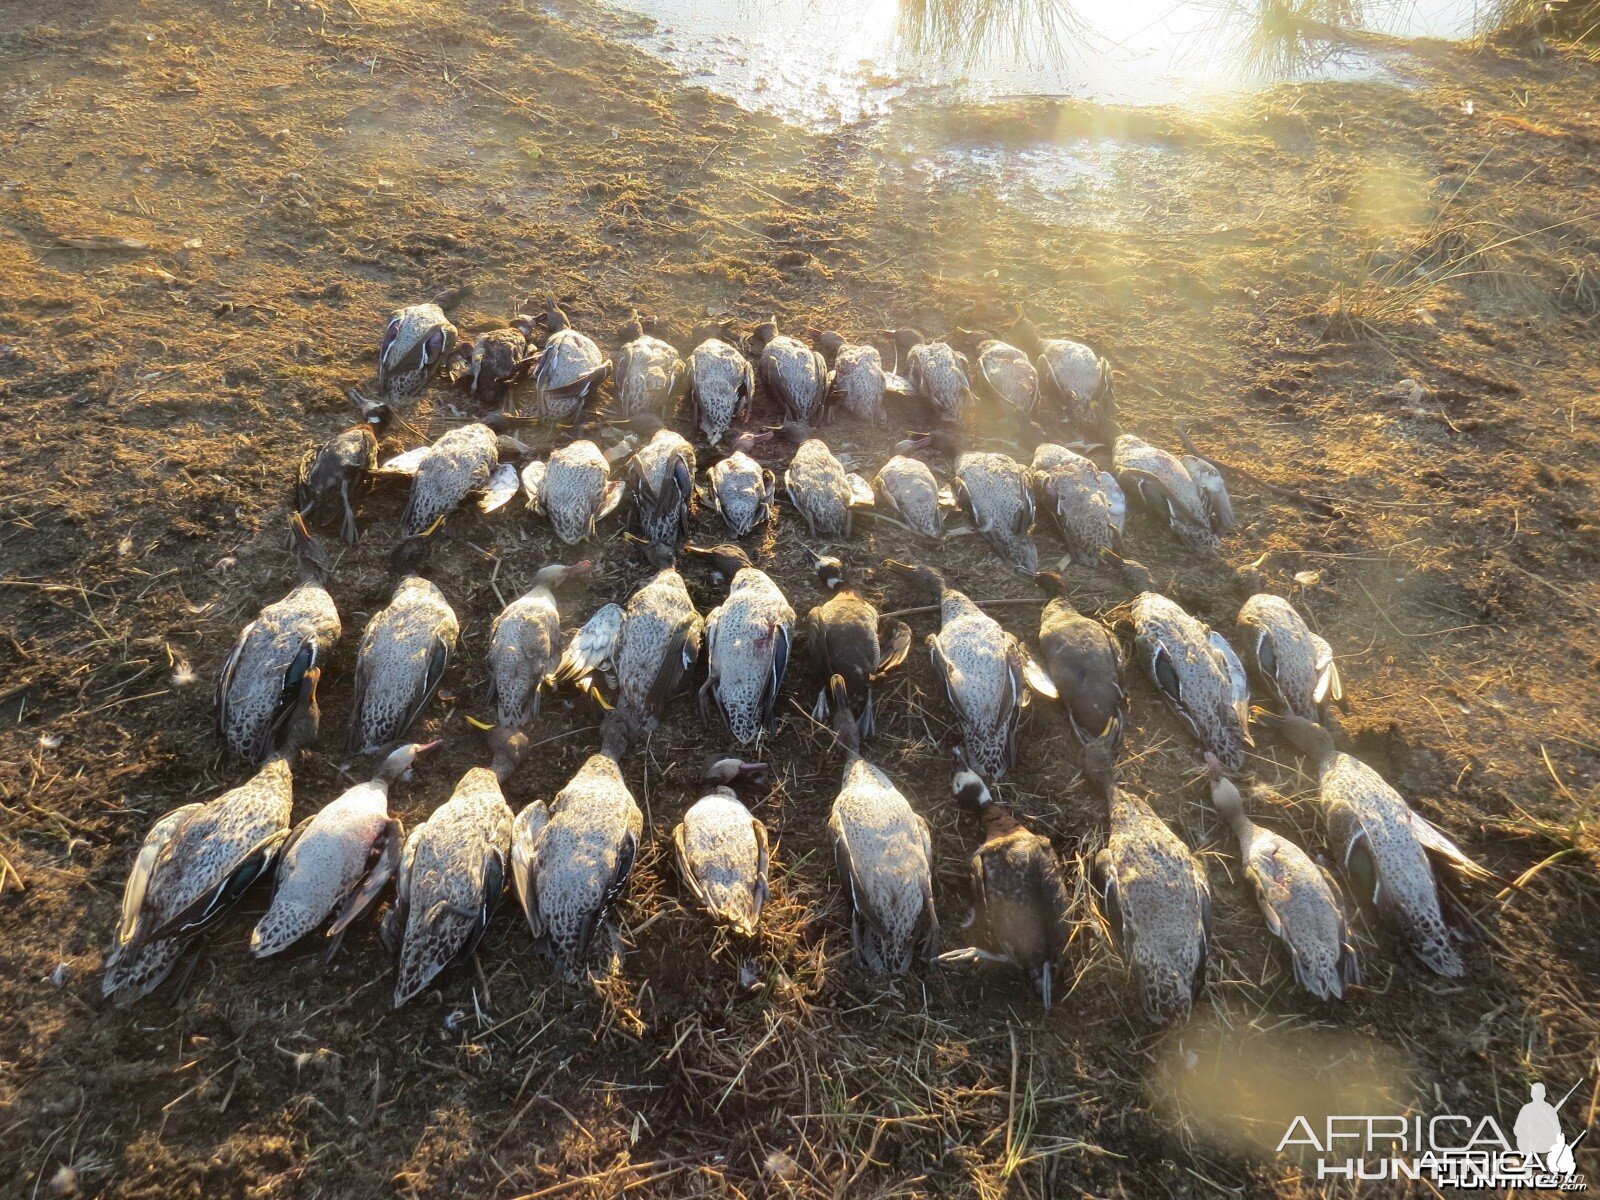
(555, 317)
(721, 328)
(828, 341)
(1100, 764)
(727, 560)
(305, 719)
(314, 563)
(375, 413)
(1052, 584)
(507, 750)
(924, 577)
(727, 770)
(750, 439)
(967, 786)
(944, 440)
(618, 733)
(632, 329)
(411, 555)
(1025, 335)
(905, 338)
(397, 763)
(829, 570)
(764, 331)
(1225, 797)
(1311, 739)
(556, 574)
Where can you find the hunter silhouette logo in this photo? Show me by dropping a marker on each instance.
(1447, 1149)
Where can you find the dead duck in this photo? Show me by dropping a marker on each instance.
(740, 488)
(1021, 902)
(416, 342)
(196, 862)
(1166, 489)
(570, 861)
(883, 851)
(1297, 897)
(259, 685)
(724, 859)
(793, 372)
(337, 862)
(450, 880)
(651, 643)
(1001, 373)
(986, 673)
(910, 491)
(1073, 379)
(1082, 658)
(1296, 664)
(500, 360)
(338, 468)
(842, 634)
(817, 484)
(859, 382)
(935, 372)
(996, 493)
(574, 488)
(405, 650)
(525, 646)
(463, 464)
(1086, 503)
(1388, 850)
(661, 484)
(1154, 896)
(1197, 673)
(651, 376)
(722, 384)
(570, 370)
(748, 637)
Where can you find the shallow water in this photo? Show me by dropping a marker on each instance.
(827, 62)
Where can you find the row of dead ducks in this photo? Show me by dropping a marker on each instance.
(574, 489)
(566, 369)
(570, 859)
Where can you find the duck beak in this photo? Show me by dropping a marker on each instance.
(752, 768)
(1213, 767)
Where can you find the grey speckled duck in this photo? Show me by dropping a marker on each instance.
(404, 652)
(996, 491)
(1296, 665)
(1155, 898)
(936, 373)
(1084, 661)
(740, 488)
(1002, 374)
(570, 370)
(462, 464)
(747, 645)
(723, 857)
(1297, 897)
(1022, 905)
(661, 482)
(451, 878)
(652, 643)
(574, 489)
(1197, 674)
(1388, 850)
(1087, 503)
(525, 646)
(415, 344)
(337, 862)
(651, 376)
(195, 863)
(260, 682)
(1073, 379)
(842, 635)
(884, 854)
(335, 470)
(722, 383)
(1167, 490)
(910, 491)
(985, 670)
(571, 861)
(825, 493)
(793, 372)
(859, 381)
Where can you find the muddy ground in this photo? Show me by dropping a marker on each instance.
(1273, 271)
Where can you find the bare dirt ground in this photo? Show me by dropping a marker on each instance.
(1272, 271)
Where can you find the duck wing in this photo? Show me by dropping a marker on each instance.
(385, 863)
(677, 663)
(593, 646)
(525, 831)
